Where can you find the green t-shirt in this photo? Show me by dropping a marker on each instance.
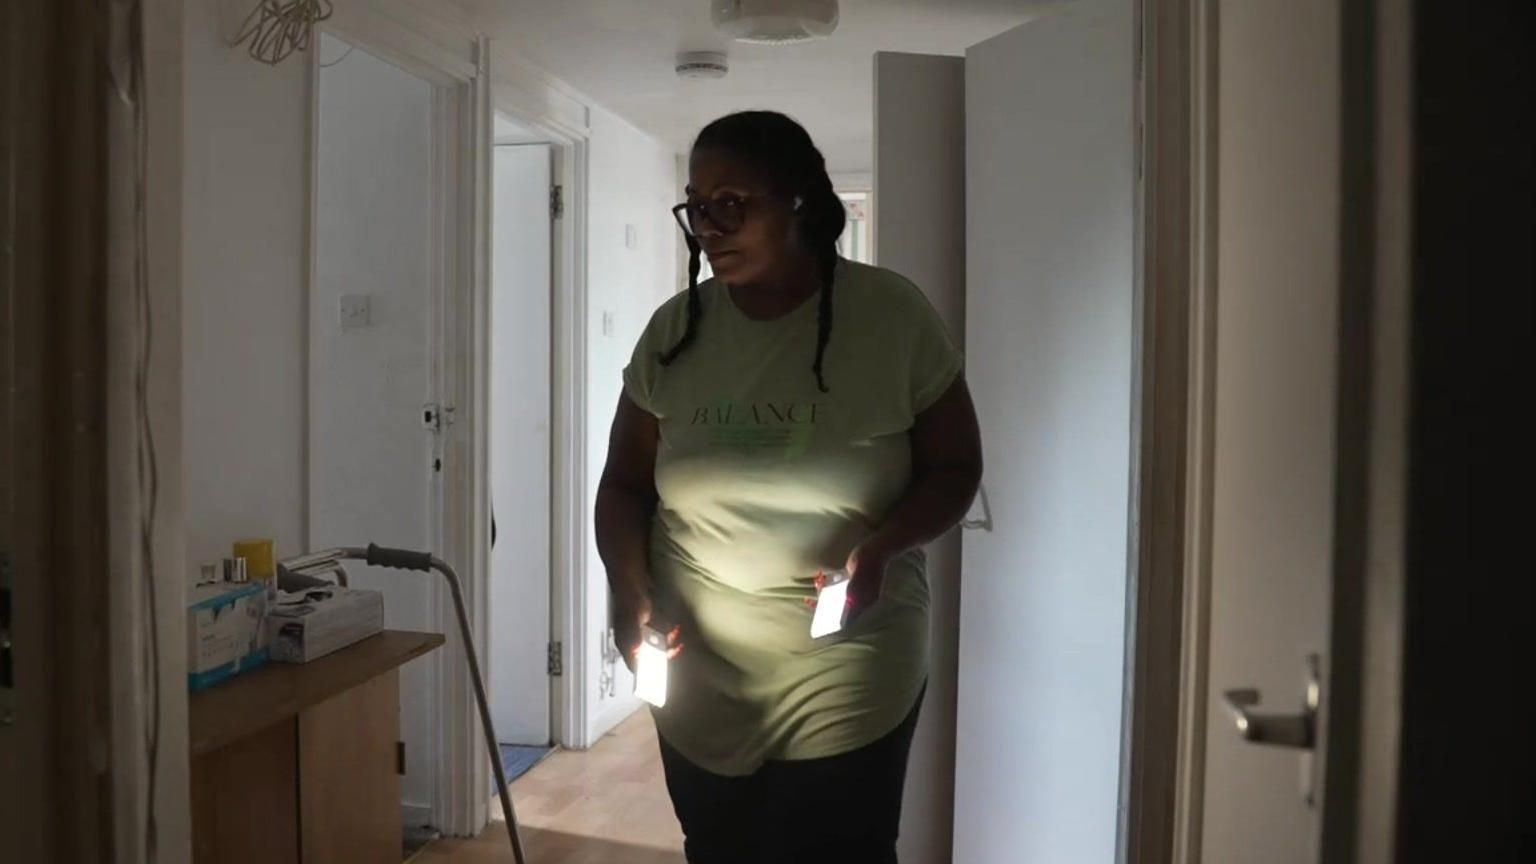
(763, 482)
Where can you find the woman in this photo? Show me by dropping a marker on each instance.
(796, 414)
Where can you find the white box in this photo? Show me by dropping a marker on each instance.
(305, 625)
(225, 633)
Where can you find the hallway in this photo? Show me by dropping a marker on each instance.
(607, 804)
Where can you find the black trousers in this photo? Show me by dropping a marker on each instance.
(844, 808)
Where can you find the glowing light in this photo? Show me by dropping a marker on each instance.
(651, 668)
(831, 606)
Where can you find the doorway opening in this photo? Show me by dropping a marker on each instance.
(857, 242)
(374, 453)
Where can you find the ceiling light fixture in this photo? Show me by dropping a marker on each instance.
(774, 22)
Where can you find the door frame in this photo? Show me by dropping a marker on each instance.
(60, 293)
(444, 49)
(1167, 596)
(96, 270)
(540, 104)
(562, 117)
(1167, 686)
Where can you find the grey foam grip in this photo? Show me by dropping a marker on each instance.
(400, 559)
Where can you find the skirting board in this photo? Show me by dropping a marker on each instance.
(412, 815)
(616, 711)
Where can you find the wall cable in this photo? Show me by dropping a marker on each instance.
(146, 466)
(278, 28)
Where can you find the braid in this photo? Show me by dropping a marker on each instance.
(823, 223)
(695, 305)
(824, 314)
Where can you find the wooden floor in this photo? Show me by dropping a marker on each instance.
(608, 805)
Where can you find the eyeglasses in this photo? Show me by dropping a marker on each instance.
(726, 213)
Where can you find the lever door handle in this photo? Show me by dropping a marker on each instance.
(1297, 731)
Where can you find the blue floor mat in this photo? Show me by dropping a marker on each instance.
(518, 759)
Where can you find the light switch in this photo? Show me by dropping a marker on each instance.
(631, 237)
(354, 312)
(607, 323)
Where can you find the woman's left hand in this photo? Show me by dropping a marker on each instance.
(866, 576)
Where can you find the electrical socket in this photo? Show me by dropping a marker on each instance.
(354, 312)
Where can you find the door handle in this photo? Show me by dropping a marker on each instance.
(1296, 731)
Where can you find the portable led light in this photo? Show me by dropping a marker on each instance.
(651, 667)
(831, 604)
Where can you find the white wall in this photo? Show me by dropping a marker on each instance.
(370, 475)
(245, 300)
(632, 182)
(243, 256)
(245, 307)
(919, 182)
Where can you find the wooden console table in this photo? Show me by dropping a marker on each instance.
(300, 764)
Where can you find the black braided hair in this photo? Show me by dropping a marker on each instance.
(695, 306)
(783, 151)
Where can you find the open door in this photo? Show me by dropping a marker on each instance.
(1274, 427)
(920, 181)
(373, 439)
(1050, 274)
(519, 634)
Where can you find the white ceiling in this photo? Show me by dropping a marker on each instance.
(622, 53)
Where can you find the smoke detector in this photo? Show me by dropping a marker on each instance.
(774, 22)
(702, 64)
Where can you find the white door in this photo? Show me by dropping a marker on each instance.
(1050, 236)
(371, 353)
(1277, 272)
(520, 446)
(920, 180)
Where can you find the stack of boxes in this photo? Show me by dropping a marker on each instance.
(237, 618)
(226, 631)
(305, 625)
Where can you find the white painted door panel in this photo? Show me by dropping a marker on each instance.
(920, 182)
(1277, 225)
(370, 455)
(1050, 287)
(520, 444)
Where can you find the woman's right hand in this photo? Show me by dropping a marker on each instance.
(629, 615)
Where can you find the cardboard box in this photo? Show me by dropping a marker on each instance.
(305, 625)
(225, 631)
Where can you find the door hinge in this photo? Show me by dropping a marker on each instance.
(556, 201)
(400, 758)
(556, 666)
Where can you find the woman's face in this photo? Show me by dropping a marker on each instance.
(759, 233)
